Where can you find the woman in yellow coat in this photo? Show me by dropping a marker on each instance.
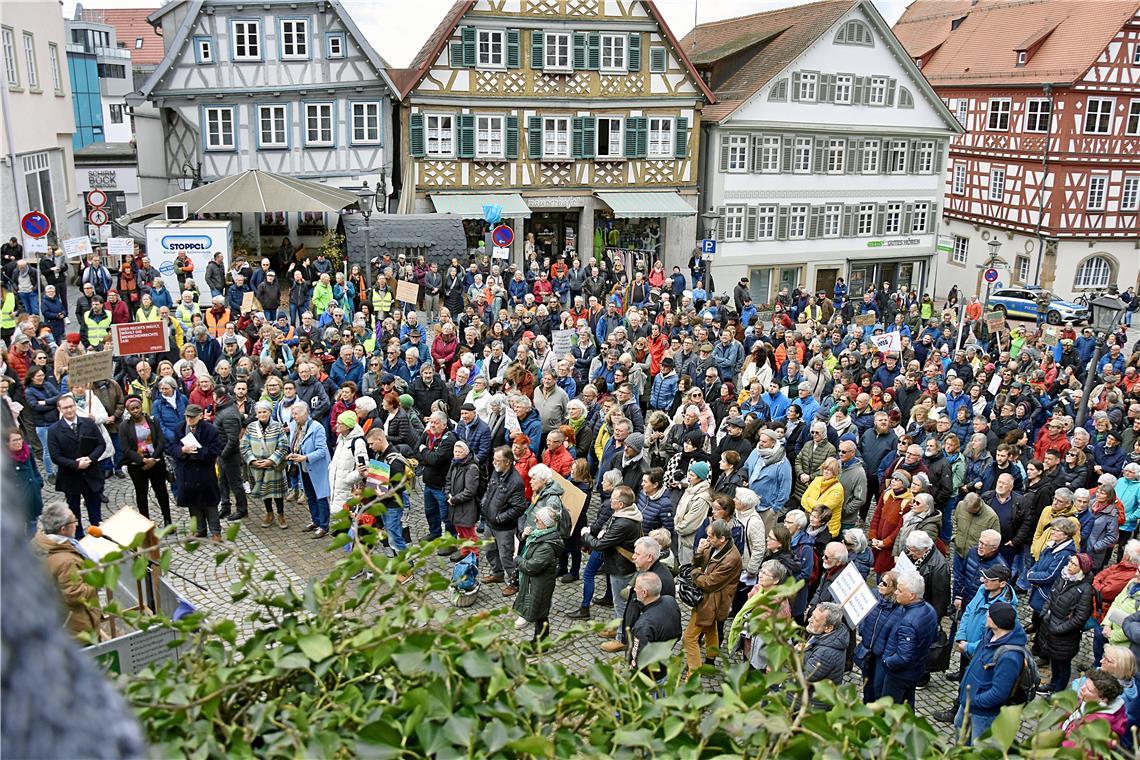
(1063, 506)
(828, 491)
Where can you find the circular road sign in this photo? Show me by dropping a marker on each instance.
(35, 224)
(502, 236)
(97, 199)
(991, 275)
(98, 217)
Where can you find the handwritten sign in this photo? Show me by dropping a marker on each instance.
(562, 341)
(117, 246)
(995, 320)
(887, 342)
(1049, 337)
(133, 338)
(89, 368)
(850, 591)
(865, 320)
(573, 498)
(78, 247)
(247, 302)
(407, 292)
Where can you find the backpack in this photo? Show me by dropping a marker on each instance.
(1026, 687)
(565, 523)
(466, 573)
(687, 591)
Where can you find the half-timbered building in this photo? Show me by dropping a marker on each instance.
(1049, 165)
(579, 119)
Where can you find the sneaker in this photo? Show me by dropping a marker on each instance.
(320, 533)
(491, 578)
(608, 633)
(569, 578)
(281, 522)
(946, 716)
(604, 602)
(581, 613)
(923, 682)
(267, 522)
(510, 590)
(612, 646)
(309, 528)
(520, 622)
(235, 517)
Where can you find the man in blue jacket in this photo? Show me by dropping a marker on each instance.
(905, 656)
(769, 472)
(994, 671)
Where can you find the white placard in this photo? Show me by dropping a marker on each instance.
(75, 248)
(35, 245)
(117, 246)
(850, 590)
(995, 384)
(888, 342)
(902, 562)
(190, 442)
(561, 341)
(500, 252)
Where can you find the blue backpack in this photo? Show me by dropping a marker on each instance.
(466, 573)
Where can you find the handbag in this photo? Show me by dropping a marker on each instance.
(938, 658)
(687, 591)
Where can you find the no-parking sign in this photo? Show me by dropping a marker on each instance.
(35, 224)
(991, 275)
(503, 236)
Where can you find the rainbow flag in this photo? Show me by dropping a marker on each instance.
(379, 475)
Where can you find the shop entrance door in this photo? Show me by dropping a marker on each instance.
(825, 280)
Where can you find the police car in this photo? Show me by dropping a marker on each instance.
(1021, 303)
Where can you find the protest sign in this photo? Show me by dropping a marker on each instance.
(995, 384)
(132, 338)
(850, 591)
(765, 317)
(995, 320)
(247, 302)
(1049, 336)
(887, 342)
(120, 246)
(572, 497)
(74, 248)
(865, 320)
(89, 368)
(407, 292)
(562, 341)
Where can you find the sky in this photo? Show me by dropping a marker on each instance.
(397, 28)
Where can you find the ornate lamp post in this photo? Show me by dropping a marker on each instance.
(367, 198)
(710, 219)
(1105, 314)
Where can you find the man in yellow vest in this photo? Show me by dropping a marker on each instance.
(381, 298)
(216, 317)
(96, 324)
(7, 314)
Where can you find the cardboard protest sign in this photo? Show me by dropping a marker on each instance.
(887, 342)
(1050, 337)
(132, 338)
(89, 368)
(865, 320)
(407, 292)
(572, 497)
(247, 302)
(995, 320)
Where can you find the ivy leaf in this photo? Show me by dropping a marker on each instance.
(459, 730)
(1004, 728)
(315, 646)
(477, 664)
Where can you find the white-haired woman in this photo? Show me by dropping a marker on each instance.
(538, 566)
(263, 449)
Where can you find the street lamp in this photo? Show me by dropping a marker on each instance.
(710, 219)
(1105, 314)
(367, 198)
(191, 176)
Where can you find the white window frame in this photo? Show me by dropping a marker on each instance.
(114, 109)
(871, 156)
(614, 133)
(877, 92)
(960, 253)
(1136, 55)
(212, 113)
(560, 45)
(322, 112)
(30, 62)
(1085, 273)
(996, 190)
(920, 218)
(248, 31)
(958, 183)
(556, 137)
(613, 47)
(490, 49)
(832, 221)
(738, 153)
(798, 216)
(843, 88)
(997, 114)
(1132, 126)
(339, 40)
(802, 150)
(892, 219)
(836, 155)
(660, 137)
(1130, 193)
(204, 49)
(809, 86)
(924, 161)
(1096, 194)
(439, 128)
(963, 110)
(734, 223)
(278, 135)
(1037, 109)
(896, 157)
(770, 154)
(1021, 265)
(865, 220)
(290, 35)
(766, 222)
(56, 75)
(1104, 111)
(489, 129)
(368, 111)
(11, 60)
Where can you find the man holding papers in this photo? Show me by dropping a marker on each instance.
(196, 448)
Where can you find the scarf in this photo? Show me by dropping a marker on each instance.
(813, 532)
(1066, 575)
(576, 423)
(772, 455)
(20, 457)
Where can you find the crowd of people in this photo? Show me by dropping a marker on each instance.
(722, 447)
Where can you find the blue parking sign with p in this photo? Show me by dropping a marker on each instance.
(708, 246)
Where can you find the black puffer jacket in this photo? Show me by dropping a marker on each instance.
(1063, 618)
(941, 478)
(463, 492)
(622, 530)
(504, 501)
(228, 421)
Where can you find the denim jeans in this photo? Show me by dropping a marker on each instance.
(617, 583)
(318, 508)
(979, 724)
(395, 530)
(111, 464)
(28, 302)
(435, 509)
(295, 312)
(947, 531)
(1098, 644)
(593, 566)
(49, 467)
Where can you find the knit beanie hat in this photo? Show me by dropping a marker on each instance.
(406, 401)
(700, 469)
(348, 419)
(1085, 561)
(1003, 616)
(903, 476)
(635, 441)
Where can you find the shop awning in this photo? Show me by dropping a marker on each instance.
(637, 205)
(470, 205)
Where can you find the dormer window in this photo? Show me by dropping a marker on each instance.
(1022, 57)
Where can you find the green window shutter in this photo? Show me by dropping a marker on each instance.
(580, 44)
(751, 218)
(642, 137)
(819, 155)
(514, 59)
(589, 136)
(857, 88)
(416, 134)
(892, 85)
(681, 137)
(815, 222)
(757, 153)
(534, 137)
(931, 217)
(782, 223)
(537, 54)
(467, 34)
(455, 54)
(787, 142)
(720, 223)
(576, 130)
(466, 135)
(908, 219)
(633, 55)
(795, 94)
(630, 142)
(880, 219)
(912, 156)
(853, 145)
(511, 139)
(723, 152)
(657, 60)
(594, 51)
(939, 157)
(848, 228)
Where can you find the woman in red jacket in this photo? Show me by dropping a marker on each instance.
(445, 349)
(893, 504)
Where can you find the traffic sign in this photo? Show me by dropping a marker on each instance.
(35, 224)
(708, 246)
(502, 236)
(96, 199)
(991, 275)
(98, 217)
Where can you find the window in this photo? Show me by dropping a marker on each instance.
(808, 82)
(1098, 189)
(1021, 266)
(801, 155)
(609, 137)
(770, 154)
(832, 220)
(219, 128)
(797, 222)
(660, 138)
(1022, 57)
(37, 181)
(53, 59)
(925, 159)
(737, 153)
(490, 48)
(1133, 117)
(897, 157)
(111, 71)
(855, 32)
(1095, 273)
(613, 52)
(203, 50)
(1136, 56)
(963, 110)
(246, 40)
(271, 131)
(138, 43)
(556, 46)
(440, 135)
(30, 61)
(998, 120)
(959, 185)
(658, 60)
(489, 136)
(1130, 194)
(961, 250)
(11, 69)
(556, 137)
(919, 220)
(866, 220)
(892, 223)
(836, 155)
(766, 222)
(842, 88)
(997, 184)
(115, 111)
(1037, 115)
(318, 124)
(1098, 116)
(366, 123)
(294, 39)
(877, 96)
(870, 157)
(335, 46)
(734, 222)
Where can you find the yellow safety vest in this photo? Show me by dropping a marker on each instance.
(8, 312)
(381, 302)
(186, 313)
(97, 330)
(142, 315)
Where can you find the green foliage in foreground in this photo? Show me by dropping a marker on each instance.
(349, 668)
